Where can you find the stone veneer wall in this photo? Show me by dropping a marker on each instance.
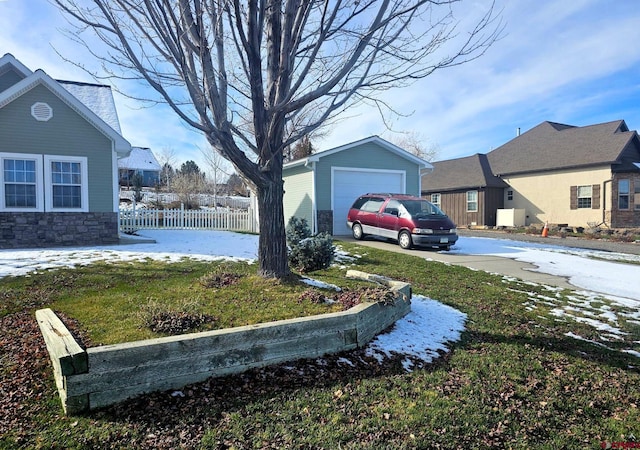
(325, 221)
(28, 230)
(624, 218)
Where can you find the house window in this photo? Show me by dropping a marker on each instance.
(435, 199)
(584, 196)
(67, 184)
(472, 201)
(32, 183)
(19, 182)
(510, 194)
(636, 193)
(623, 194)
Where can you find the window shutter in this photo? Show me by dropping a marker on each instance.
(573, 203)
(595, 196)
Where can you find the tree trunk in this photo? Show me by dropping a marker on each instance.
(272, 245)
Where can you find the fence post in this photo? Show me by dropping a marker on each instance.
(182, 216)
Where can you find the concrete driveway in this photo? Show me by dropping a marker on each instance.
(501, 265)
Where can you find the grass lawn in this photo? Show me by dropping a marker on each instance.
(516, 379)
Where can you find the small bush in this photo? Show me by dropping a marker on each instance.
(160, 318)
(313, 296)
(308, 253)
(351, 298)
(297, 230)
(177, 322)
(219, 278)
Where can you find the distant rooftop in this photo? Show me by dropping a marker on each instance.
(140, 158)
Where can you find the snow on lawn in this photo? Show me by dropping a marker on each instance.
(421, 334)
(430, 325)
(424, 332)
(592, 270)
(169, 246)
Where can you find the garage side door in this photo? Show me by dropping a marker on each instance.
(347, 184)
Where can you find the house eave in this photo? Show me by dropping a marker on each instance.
(120, 145)
(557, 169)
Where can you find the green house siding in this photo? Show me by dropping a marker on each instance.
(369, 156)
(298, 187)
(66, 133)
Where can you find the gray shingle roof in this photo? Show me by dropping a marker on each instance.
(468, 172)
(548, 146)
(551, 146)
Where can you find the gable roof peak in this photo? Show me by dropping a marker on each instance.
(371, 139)
(9, 59)
(40, 78)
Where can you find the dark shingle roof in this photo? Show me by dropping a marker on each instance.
(468, 172)
(552, 146)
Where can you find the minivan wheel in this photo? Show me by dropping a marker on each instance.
(356, 230)
(404, 239)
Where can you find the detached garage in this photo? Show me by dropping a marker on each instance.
(321, 188)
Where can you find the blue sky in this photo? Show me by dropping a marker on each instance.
(575, 62)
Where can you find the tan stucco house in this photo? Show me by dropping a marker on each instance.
(560, 174)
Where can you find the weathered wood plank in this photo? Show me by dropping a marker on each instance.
(210, 362)
(239, 338)
(64, 351)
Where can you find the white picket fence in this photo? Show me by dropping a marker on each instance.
(132, 219)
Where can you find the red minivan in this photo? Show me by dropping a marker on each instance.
(409, 220)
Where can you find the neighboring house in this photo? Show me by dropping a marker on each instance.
(322, 187)
(560, 174)
(140, 161)
(465, 189)
(59, 145)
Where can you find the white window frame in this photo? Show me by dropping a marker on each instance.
(44, 185)
(469, 202)
(39, 183)
(581, 195)
(436, 199)
(84, 187)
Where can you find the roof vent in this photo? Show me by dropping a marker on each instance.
(42, 112)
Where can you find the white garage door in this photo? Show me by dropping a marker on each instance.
(349, 184)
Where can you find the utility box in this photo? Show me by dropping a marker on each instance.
(510, 217)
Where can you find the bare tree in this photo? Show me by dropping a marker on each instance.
(218, 166)
(167, 159)
(188, 185)
(415, 143)
(300, 149)
(254, 76)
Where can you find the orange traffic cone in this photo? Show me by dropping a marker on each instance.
(545, 230)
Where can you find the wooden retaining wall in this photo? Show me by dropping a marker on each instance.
(100, 376)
